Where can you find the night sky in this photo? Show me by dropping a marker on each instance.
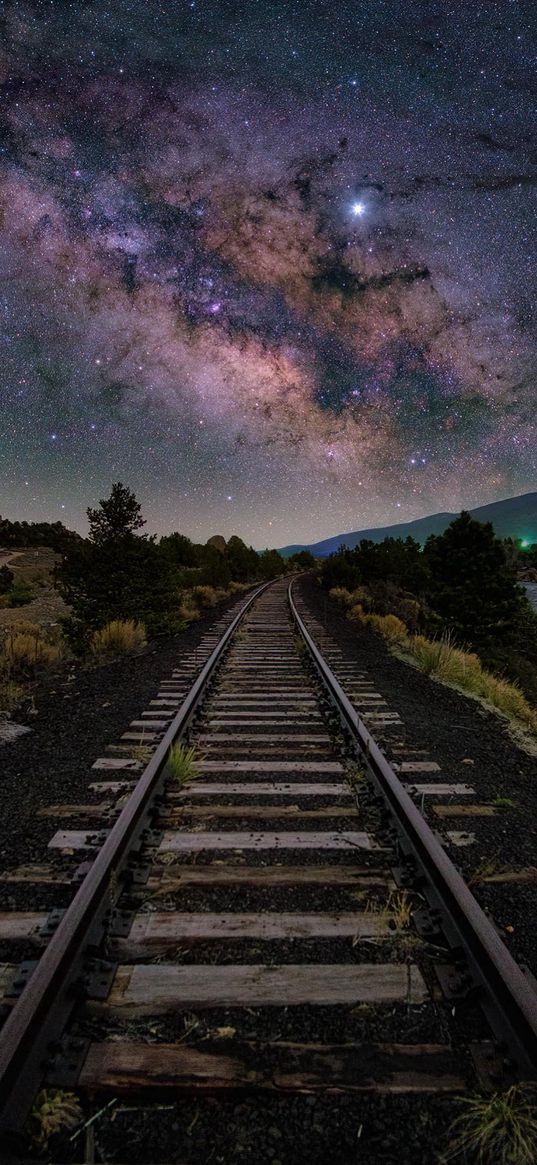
(270, 264)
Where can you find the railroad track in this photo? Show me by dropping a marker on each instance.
(284, 926)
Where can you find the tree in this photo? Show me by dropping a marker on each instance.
(215, 571)
(473, 585)
(302, 560)
(116, 516)
(178, 549)
(6, 579)
(117, 574)
(242, 559)
(271, 564)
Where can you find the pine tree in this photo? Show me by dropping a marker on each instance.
(116, 516)
(473, 585)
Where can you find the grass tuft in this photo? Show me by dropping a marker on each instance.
(182, 763)
(53, 1111)
(118, 637)
(25, 655)
(442, 660)
(204, 596)
(497, 1130)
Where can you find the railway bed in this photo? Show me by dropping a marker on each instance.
(277, 959)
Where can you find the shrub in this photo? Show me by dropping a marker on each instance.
(188, 611)
(341, 595)
(409, 610)
(20, 595)
(357, 614)
(118, 637)
(11, 695)
(390, 627)
(26, 627)
(25, 655)
(204, 596)
(360, 595)
(6, 579)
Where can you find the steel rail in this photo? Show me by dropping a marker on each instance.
(510, 999)
(41, 1012)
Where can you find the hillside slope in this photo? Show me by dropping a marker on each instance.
(511, 518)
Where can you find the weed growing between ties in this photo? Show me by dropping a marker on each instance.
(183, 763)
(496, 1130)
(53, 1111)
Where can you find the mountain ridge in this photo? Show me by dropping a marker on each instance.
(511, 517)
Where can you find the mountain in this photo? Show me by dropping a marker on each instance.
(511, 518)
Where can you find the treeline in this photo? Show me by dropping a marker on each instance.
(53, 534)
(120, 573)
(463, 583)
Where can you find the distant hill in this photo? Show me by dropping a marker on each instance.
(511, 518)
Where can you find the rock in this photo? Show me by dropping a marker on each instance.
(10, 731)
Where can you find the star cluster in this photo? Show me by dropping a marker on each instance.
(271, 264)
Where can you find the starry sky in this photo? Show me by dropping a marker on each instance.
(270, 264)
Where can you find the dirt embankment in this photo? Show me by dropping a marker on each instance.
(33, 567)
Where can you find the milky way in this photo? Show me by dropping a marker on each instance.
(272, 265)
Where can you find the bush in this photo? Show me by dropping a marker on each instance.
(118, 637)
(20, 595)
(6, 579)
(204, 597)
(188, 610)
(390, 627)
(26, 627)
(25, 655)
(341, 595)
(361, 595)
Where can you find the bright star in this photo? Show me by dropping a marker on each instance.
(358, 209)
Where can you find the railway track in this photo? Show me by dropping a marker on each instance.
(283, 928)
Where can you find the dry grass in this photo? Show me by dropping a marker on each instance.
(497, 1130)
(399, 907)
(389, 626)
(119, 637)
(341, 595)
(11, 695)
(442, 660)
(204, 597)
(188, 610)
(26, 654)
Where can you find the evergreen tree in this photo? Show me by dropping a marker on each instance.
(473, 585)
(271, 564)
(118, 574)
(179, 550)
(116, 516)
(242, 559)
(302, 560)
(6, 579)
